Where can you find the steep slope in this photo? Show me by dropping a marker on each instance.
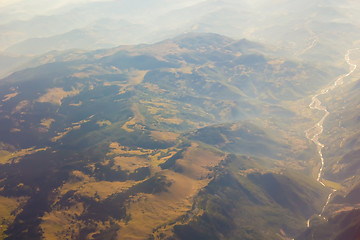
(340, 226)
(244, 202)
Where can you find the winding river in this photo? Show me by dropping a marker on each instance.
(314, 132)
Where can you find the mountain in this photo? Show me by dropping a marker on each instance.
(291, 26)
(187, 138)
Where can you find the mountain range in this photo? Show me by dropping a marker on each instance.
(195, 137)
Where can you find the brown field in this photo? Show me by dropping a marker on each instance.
(9, 157)
(103, 123)
(163, 111)
(331, 184)
(21, 106)
(196, 162)
(118, 150)
(135, 122)
(151, 213)
(346, 208)
(133, 158)
(161, 156)
(163, 49)
(61, 135)
(15, 130)
(136, 76)
(61, 224)
(76, 104)
(187, 69)
(46, 122)
(5, 156)
(164, 136)
(10, 96)
(8, 212)
(75, 126)
(174, 120)
(55, 95)
(90, 70)
(131, 163)
(87, 186)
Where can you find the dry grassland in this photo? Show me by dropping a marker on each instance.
(75, 126)
(55, 95)
(8, 212)
(9, 157)
(9, 96)
(151, 213)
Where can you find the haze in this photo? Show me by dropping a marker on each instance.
(106, 23)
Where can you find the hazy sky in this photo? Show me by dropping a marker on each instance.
(44, 18)
(24, 9)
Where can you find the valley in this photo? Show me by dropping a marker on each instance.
(314, 133)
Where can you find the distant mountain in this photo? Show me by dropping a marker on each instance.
(289, 25)
(9, 63)
(37, 22)
(104, 33)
